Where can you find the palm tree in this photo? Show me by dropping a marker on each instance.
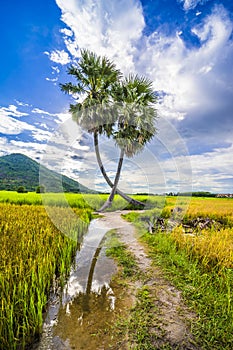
(135, 101)
(95, 77)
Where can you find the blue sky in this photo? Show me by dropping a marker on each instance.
(184, 46)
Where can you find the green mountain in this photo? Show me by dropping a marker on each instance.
(19, 170)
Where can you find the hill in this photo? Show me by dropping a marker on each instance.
(19, 170)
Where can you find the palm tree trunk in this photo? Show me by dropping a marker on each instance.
(108, 202)
(107, 179)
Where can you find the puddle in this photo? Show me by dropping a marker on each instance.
(80, 317)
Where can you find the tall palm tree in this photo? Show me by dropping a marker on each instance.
(135, 104)
(95, 77)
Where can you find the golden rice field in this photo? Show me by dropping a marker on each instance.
(212, 207)
(212, 246)
(33, 253)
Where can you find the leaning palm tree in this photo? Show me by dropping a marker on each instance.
(136, 115)
(95, 77)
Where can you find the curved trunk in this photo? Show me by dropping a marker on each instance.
(87, 293)
(109, 182)
(108, 202)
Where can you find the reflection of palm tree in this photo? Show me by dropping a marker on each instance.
(136, 118)
(86, 295)
(92, 269)
(95, 76)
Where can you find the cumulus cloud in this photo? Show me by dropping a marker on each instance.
(12, 126)
(213, 170)
(194, 78)
(30, 133)
(109, 28)
(58, 56)
(66, 32)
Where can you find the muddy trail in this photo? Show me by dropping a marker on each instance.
(173, 317)
(84, 315)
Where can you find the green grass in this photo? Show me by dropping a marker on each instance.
(14, 197)
(141, 321)
(91, 201)
(208, 292)
(137, 325)
(124, 258)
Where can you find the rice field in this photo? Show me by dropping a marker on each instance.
(212, 246)
(74, 200)
(34, 253)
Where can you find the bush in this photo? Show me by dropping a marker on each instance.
(40, 189)
(21, 189)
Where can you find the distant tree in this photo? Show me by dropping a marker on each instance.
(40, 189)
(21, 189)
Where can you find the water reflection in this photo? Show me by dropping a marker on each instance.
(78, 318)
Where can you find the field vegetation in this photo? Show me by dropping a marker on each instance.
(34, 256)
(199, 262)
(78, 200)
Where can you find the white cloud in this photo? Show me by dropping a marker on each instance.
(62, 117)
(35, 129)
(211, 169)
(109, 28)
(51, 79)
(55, 69)
(41, 135)
(31, 149)
(58, 117)
(20, 103)
(67, 32)
(196, 77)
(59, 56)
(11, 126)
(190, 4)
(12, 111)
(215, 30)
(40, 111)
(43, 125)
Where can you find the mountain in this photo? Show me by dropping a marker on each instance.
(19, 170)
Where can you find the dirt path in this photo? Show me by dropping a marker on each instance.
(173, 317)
